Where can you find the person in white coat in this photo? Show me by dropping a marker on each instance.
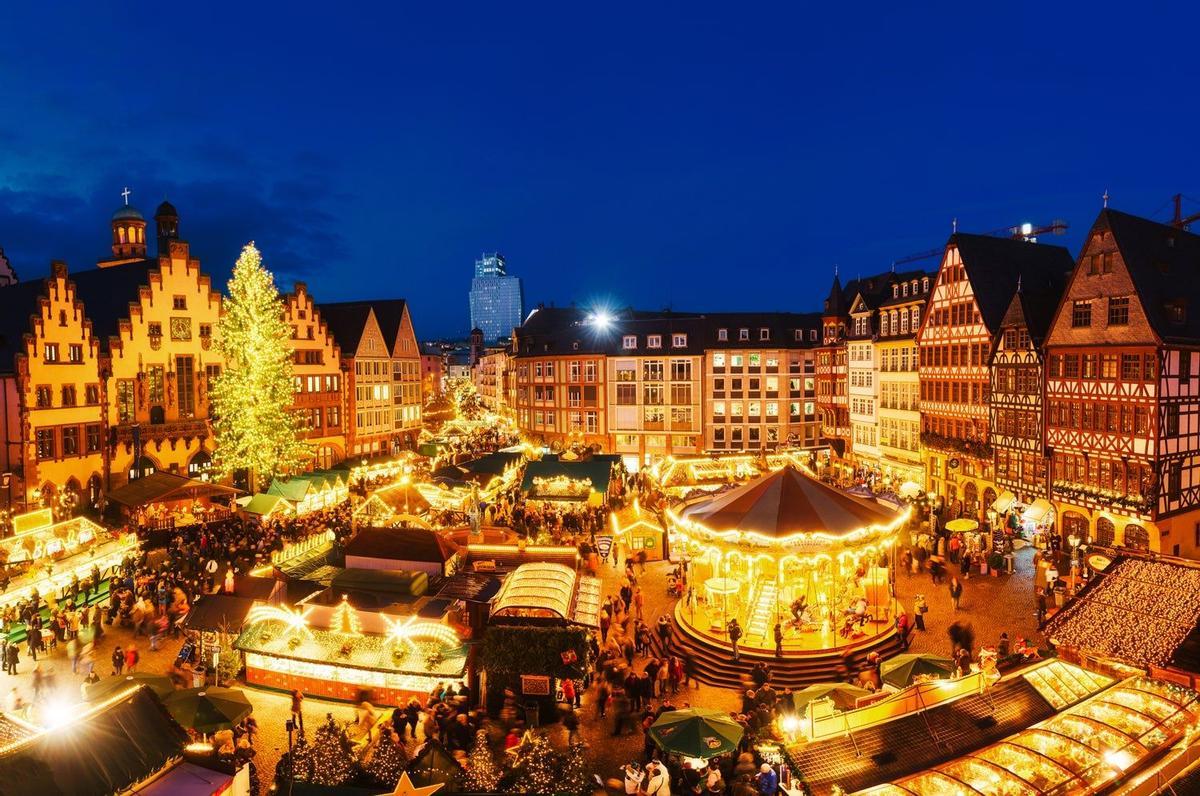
(658, 779)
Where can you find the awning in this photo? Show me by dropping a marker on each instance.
(1038, 511)
(218, 613)
(1004, 502)
(187, 779)
(160, 486)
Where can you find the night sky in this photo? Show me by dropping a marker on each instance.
(646, 154)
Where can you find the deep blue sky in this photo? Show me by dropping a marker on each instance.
(645, 154)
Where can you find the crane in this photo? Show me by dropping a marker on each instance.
(1027, 232)
(1179, 220)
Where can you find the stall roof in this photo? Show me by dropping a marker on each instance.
(264, 504)
(1144, 612)
(402, 544)
(491, 464)
(789, 501)
(597, 469)
(102, 750)
(472, 587)
(162, 486)
(214, 612)
(186, 779)
(553, 588)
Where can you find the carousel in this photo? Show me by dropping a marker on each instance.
(788, 549)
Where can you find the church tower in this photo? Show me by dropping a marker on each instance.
(128, 234)
(166, 218)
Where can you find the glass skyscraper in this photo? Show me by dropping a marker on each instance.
(497, 302)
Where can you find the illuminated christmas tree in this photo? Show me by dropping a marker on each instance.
(574, 773)
(333, 761)
(482, 772)
(345, 619)
(387, 759)
(255, 426)
(535, 765)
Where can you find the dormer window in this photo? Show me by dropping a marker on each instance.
(925, 285)
(812, 335)
(905, 291)
(743, 334)
(1176, 312)
(895, 291)
(764, 334)
(654, 341)
(722, 334)
(799, 335)
(679, 341)
(629, 341)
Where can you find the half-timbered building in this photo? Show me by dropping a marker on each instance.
(975, 284)
(831, 372)
(1122, 392)
(1017, 425)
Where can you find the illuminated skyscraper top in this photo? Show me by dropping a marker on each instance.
(496, 298)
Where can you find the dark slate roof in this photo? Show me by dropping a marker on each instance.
(390, 314)
(346, 321)
(835, 302)
(218, 612)
(1039, 297)
(909, 276)
(1164, 263)
(994, 266)
(554, 330)
(402, 544)
(101, 751)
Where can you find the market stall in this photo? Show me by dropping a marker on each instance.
(315, 491)
(417, 549)
(639, 531)
(328, 647)
(787, 548)
(391, 504)
(163, 501)
(688, 476)
(564, 481)
(548, 592)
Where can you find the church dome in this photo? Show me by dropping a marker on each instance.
(166, 209)
(128, 213)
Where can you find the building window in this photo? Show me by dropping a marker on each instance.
(68, 395)
(722, 334)
(764, 334)
(91, 394)
(125, 400)
(743, 334)
(70, 440)
(75, 352)
(679, 341)
(45, 443)
(681, 370)
(51, 351)
(654, 341)
(1081, 314)
(92, 437)
(185, 382)
(156, 384)
(1118, 311)
(629, 341)
(44, 397)
(154, 329)
(205, 331)
(179, 302)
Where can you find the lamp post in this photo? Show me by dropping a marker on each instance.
(1074, 541)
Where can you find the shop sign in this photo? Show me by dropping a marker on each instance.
(535, 685)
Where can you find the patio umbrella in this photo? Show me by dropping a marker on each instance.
(208, 709)
(962, 525)
(843, 695)
(696, 732)
(910, 489)
(160, 684)
(902, 669)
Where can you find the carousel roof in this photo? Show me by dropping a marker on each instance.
(786, 502)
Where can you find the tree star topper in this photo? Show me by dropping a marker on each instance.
(405, 788)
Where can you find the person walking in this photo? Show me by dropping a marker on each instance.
(778, 640)
(131, 658)
(956, 589)
(11, 658)
(118, 660)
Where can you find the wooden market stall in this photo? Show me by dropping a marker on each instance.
(162, 501)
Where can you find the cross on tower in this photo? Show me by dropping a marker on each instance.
(1105, 197)
(126, 193)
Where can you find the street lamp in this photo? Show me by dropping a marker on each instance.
(405, 480)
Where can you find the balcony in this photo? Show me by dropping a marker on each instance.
(153, 432)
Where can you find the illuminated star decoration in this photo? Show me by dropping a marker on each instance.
(405, 788)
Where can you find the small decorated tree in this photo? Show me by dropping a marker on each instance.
(333, 761)
(386, 759)
(535, 765)
(574, 772)
(482, 772)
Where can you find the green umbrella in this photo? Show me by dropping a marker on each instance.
(208, 709)
(843, 695)
(900, 670)
(106, 687)
(696, 732)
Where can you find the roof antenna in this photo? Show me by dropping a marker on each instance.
(1105, 197)
(835, 269)
(954, 225)
(1018, 283)
(893, 266)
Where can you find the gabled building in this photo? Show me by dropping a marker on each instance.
(317, 367)
(1123, 389)
(366, 366)
(395, 321)
(1017, 416)
(831, 372)
(975, 284)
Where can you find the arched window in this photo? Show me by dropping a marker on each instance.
(121, 233)
(141, 235)
(885, 328)
(1106, 532)
(916, 317)
(925, 285)
(1137, 538)
(903, 318)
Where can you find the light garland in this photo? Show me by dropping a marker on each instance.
(345, 620)
(292, 619)
(405, 632)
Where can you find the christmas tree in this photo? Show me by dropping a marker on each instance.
(252, 398)
(333, 760)
(482, 772)
(534, 767)
(574, 772)
(386, 760)
(302, 755)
